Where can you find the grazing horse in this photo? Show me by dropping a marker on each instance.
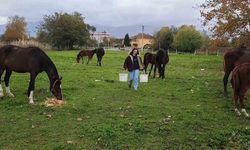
(83, 53)
(99, 54)
(161, 60)
(32, 60)
(240, 83)
(232, 59)
(149, 58)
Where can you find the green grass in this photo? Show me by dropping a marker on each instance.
(185, 111)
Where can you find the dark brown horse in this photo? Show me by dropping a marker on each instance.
(149, 58)
(32, 60)
(232, 59)
(85, 53)
(100, 52)
(162, 59)
(240, 83)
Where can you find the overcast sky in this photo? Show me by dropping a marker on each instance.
(109, 12)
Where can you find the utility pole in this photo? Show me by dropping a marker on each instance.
(98, 39)
(142, 38)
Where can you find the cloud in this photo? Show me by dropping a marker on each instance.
(3, 20)
(108, 12)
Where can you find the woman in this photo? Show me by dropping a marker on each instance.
(133, 63)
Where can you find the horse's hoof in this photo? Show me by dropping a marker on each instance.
(10, 95)
(31, 103)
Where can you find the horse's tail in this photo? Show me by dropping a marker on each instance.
(235, 81)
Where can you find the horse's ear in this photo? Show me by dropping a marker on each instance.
(60, 78)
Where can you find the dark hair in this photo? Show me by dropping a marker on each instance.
(131, 52)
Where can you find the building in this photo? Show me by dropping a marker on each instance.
(140, 40)
(99, 36)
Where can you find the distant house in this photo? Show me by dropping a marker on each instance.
(140, 40)
(99, 36)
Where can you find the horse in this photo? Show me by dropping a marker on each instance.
(149, 58)
(32, 60)
(232, 59)
(240, 82)
(83, 53)
(162, 59)
(100, 52)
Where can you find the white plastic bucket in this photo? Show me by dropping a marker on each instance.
(123, 77)
(143, 78)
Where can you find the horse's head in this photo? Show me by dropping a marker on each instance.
(55, 88)
(78, 58)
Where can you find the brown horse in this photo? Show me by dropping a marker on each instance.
(149, 58)
(85, 53)
(162, 59)
(32, 60)
(232, 59)
(240, 83)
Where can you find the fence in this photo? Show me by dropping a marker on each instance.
(29, 43)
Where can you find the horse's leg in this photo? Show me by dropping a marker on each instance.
(225, 80)
(151, 69)
(82, 60)
(31, 87)
(100, 61)
(88, 61)
(163, 71)
(1, 88)
(6, 80)
(235, 102)
(242, 105)
(155, 69)
(97, 64)
(160, 70)
(145, 67)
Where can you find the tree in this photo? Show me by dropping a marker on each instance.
(15, 29)
(64, 30)
(92, 43)
(188, 39)
(106, 41)
(227, 19)
(163, 38)
(127, 40)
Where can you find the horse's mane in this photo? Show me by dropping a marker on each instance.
(78, 56)
(94, 50)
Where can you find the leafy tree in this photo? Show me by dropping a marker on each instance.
(64, 30)
(163, 38)
(106, 41)
(127, 40)
(15, 29)
(227, 19)
(92, 43)
(188, 39)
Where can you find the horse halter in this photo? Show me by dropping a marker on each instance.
(53, 86)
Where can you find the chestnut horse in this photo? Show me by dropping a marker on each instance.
(149, 58)
(83, 53)
(232, 59)
(240, 83)
(32, 60)
(161, 60)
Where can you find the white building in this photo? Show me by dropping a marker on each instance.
(99, 36)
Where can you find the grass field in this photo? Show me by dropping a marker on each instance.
(185, 111)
